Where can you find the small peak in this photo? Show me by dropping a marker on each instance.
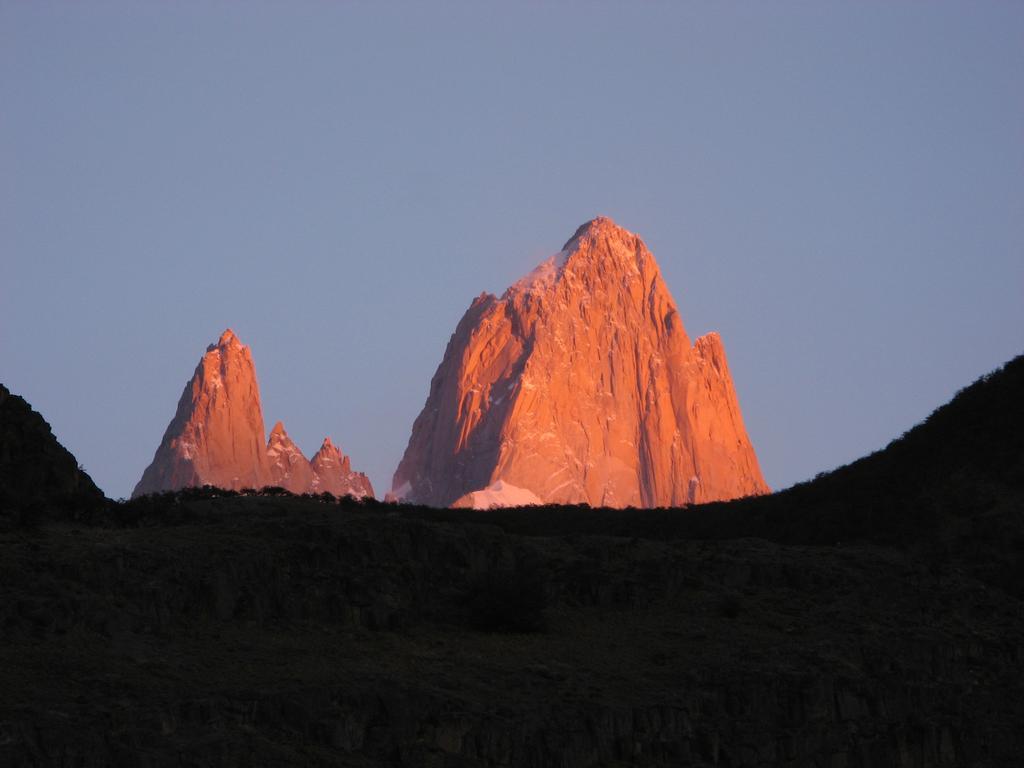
(227, 341)
(710, 348)
(601, 221)
(599, 226)
(599, 230)
(328, 454)
(710, 341)
(278, 430)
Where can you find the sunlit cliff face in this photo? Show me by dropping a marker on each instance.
(217, 437)
(580, 385)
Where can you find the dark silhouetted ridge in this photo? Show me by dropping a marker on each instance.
(37, 473)
(953, 486)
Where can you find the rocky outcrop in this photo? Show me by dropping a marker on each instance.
(332, 473)
(289, 468)
(36, 471)
(216, 437)
(580, 384)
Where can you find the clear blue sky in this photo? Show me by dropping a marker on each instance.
(837, 188)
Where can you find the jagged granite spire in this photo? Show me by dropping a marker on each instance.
(580, 384)
(216, 437)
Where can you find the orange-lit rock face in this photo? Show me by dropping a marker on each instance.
(216, 437)
(289, 468)
(580, 385)
(332, 472)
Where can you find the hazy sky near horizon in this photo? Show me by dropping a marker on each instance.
(838, 189)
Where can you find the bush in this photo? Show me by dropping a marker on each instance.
(729, 606)
(507, 601)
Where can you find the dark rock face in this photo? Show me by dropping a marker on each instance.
(36, 471)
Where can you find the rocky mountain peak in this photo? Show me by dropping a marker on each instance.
(598, 228)
(613, 251)
(217, 435)
(287, 465)
(228, 339)
(332, 472)
(601, 257)
(580, 385)
(328, 456)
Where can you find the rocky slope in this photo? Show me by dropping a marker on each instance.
(37, 472)
(216, 437)
(289, 468)
(332, 473)
(580, 384)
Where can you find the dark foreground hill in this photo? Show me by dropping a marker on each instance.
(951, 490)
(38, 476)
(870, 618)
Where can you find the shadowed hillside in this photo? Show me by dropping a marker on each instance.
(38, 476)
(950, 488)
(872, 617)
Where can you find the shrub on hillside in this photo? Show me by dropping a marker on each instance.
(507, 600)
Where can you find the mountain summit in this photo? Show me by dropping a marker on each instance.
(332, 472)
(217, 437)
(580, 385)
(289, 469)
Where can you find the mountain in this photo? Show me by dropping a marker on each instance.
(289, 468)
(36, 471)
(332, 473)
(580, 385)
(216, 437)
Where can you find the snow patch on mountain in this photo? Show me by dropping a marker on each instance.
(499, 494)
(543, 276)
